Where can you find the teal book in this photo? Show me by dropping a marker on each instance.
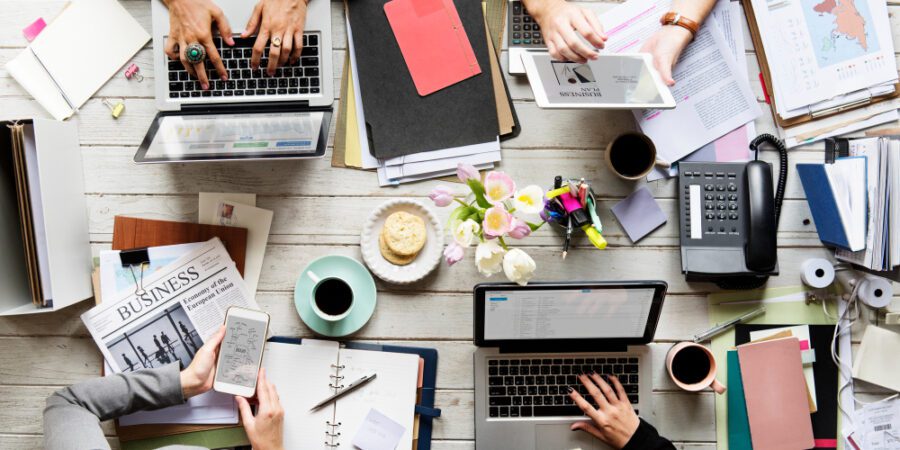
(738, 424)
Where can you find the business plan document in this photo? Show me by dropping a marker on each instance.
(713, 96)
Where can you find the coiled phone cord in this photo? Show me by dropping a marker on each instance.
(757, 281)
(782, 167)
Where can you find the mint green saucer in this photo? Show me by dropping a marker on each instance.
(359, 279)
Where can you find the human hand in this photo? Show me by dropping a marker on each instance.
(666, 46)
(198, 377)
(561, 24)
(266, 429)
(190, 21)
(615, 421)
(280, 22)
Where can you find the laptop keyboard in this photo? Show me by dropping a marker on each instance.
(539, 387)
(302, 77)
(523, 30)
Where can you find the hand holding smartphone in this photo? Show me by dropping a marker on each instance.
(241, 353)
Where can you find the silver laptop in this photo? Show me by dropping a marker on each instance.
(251, 115)
(534, 340)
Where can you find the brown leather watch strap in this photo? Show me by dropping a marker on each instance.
(674, 18)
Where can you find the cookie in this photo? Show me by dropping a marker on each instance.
(404, 233)
(392, 257)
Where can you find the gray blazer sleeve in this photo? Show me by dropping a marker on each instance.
(72, 416)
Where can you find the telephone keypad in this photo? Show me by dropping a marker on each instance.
(716, 215)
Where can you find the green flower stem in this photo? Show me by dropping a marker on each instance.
(502, 243)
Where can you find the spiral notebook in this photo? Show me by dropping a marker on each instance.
(306, 374)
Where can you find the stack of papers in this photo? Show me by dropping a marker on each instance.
(712, 72)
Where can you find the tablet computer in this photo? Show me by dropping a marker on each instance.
(245, 133)
(620, 81)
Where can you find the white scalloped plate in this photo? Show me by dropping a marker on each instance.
(427, 260)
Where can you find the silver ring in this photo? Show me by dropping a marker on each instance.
(276, 42)
(195, 53)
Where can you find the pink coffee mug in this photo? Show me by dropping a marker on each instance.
(693, 369)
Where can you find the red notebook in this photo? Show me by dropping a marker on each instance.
(776, 396)
(433, 42)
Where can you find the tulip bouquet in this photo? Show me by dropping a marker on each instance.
(486, 217)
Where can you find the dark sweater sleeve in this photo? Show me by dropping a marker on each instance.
(647, 438)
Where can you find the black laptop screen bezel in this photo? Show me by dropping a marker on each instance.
(285, 107)
(538, 345)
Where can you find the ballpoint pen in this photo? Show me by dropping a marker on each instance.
(720, 328)
(351, 387)
(568, 237)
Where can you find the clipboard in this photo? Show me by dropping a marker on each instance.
(425, 410)
(766, 75)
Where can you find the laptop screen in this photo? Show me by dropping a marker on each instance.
(626, 312)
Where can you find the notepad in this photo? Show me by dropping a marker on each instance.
(306, 374)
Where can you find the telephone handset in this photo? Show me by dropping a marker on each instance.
(729, 219)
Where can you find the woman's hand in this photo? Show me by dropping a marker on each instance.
(666, 46)
(266, 429)
(615, 421)
(281, 23)
(191, 21)
(200, 374)
(563, 25)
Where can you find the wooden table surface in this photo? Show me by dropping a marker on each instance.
(319, 211)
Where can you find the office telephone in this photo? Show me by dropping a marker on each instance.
(729, 219)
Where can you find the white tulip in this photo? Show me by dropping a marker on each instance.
(529, 200)
(466, 232)
(489, 258)
(518, 266)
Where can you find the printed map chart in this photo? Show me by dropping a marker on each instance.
(840, 30)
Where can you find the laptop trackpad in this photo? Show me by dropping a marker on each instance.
(560, 437)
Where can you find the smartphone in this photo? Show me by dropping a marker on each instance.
(241, 352)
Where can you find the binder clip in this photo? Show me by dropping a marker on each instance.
(115, 109)
(137, 257)
(133, 71)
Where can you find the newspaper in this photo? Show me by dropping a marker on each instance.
(172, 311)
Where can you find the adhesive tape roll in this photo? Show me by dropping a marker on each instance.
(876, 292)
(817, 273)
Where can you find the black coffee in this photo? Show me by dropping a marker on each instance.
(333, 296)
(631, 155)
(691, 365)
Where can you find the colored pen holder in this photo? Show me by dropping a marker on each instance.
(584, 217)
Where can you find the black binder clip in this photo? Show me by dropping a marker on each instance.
(136, 257)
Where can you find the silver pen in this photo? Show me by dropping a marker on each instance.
(351, 387)
(720, 328)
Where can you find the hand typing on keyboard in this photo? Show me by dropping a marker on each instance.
(614, 420)
(191, 21)
(564, 25)
(280, 24)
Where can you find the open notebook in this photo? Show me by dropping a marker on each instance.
(306, 374)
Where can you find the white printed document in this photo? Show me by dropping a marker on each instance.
(713, 95)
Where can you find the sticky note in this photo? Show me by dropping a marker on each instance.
(639, 214)
(33, 30)
(378, 432)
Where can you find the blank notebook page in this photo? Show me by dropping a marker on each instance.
(392, 392)
(301, 374)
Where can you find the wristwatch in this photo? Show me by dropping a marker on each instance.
(674, 18)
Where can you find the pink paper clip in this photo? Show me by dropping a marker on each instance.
(33, 30)
(133, 71)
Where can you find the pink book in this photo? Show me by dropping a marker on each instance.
(775, 391)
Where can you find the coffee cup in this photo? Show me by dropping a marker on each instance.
(692, 367)
(332, 297)
(631, 156)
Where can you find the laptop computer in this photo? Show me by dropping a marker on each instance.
(251, 115)
(534, 340)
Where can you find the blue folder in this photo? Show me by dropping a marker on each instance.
(738, 422)
(823, 205)
(425, 409)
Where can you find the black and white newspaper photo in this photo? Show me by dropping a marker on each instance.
(169, 315)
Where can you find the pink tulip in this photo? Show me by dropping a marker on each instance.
(453, 253)
(497, 221)
(519, 229)
(441, 196)
(466, 172)
(498, 186)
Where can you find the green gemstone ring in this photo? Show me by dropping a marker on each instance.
(195, 53)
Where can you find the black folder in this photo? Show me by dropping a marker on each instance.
(399, 121)
(824, 420)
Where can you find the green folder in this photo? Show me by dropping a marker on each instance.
(218, 438)
(738, 423)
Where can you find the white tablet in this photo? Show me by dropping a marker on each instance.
(621, 81)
